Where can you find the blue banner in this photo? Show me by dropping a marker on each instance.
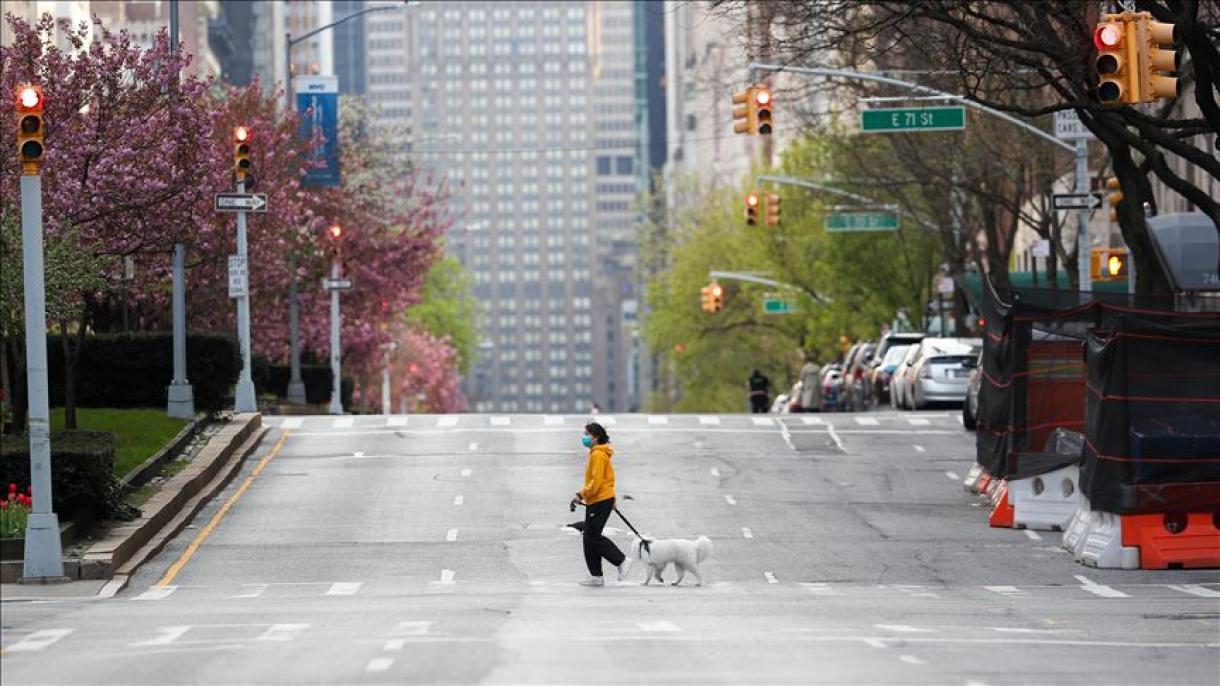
(318, 107)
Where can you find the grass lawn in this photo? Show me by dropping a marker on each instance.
(137, 433)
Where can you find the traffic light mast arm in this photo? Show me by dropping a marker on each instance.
(717, 275)
(866, 76)
(812, 185)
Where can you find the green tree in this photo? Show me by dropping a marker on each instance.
(446, 309)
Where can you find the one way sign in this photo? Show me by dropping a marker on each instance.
(1076, 201)
(241, 202)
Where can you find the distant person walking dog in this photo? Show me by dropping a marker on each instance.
(760, 389)
(598, 497)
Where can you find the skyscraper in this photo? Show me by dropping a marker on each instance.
(526, 110)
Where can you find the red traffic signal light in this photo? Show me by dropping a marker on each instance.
(762, 109)
(29, 97)
(1107, 36)
(335, 232)
(752, 208)
(30, 146)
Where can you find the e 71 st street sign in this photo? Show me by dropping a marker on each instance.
(901, 119)
(861, 221)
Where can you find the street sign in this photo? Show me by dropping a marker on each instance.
(1076, 201)
(241, 202)
(777, 306)
(239, 283)
(913, 119)
(861, 221)
(337, 284)
(945, 286)
(1041, 248)
(1069, 127)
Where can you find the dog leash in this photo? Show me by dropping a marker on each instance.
(645, 543)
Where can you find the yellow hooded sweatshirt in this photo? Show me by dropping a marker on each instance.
(599, 475)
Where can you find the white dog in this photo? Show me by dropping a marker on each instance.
(685, 555)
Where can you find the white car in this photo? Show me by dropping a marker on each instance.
(900, 381)
(939, 372)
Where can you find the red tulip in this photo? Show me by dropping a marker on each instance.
(3, 504)
(12, 488)
(29, 489)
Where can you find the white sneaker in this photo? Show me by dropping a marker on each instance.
(593, 581)
(624, 568)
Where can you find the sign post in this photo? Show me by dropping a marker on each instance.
(335, 284)
(245, 400)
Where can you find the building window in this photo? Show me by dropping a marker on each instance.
(604, 165)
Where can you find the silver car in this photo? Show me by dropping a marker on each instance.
(941, 371)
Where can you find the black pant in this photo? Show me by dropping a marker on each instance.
(598, 546)
(758, 404)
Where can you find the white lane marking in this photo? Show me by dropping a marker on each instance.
(662, 626)
(834, 436)
(709, 421)
(920, 449)
(37, 640)
(501, 421)
(447, 420)
(715, 472)
(1032, 535)
(292, 422)
(820, 589)
(358, 454)
(169, 634)
(606, 420)
(1005, 590)
(394, 644)
(657, 420)
(866, 421)
(379, 664)
(730, 499)
(911, 660)
(1022, 630)
(952, 476)
(446, 576)
(282, 632)
(976, 683)
(412, 628)
(458, 500)
(917, 421)
(552, 420)
(156, 593)
(875, 642)
(903, 628)
(343, 588)
(960, 420)
(473, 446)
(396, 421)
(763, 421)
(812, 421)
(255, 591)
(787, 435)
(451, 535)
(1195, 589)
(343, 423)
(466, 472)
(746, 533)
(1098, 589)
(770, 578)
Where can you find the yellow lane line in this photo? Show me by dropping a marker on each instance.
(207, 530)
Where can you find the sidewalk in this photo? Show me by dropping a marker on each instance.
(72, 590)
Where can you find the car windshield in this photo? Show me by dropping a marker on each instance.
(895, 355)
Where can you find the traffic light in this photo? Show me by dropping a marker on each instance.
(1114, 196)
(705, 299)
(752, 209)
(29, 129)
(743, 114)
(762, 110)
(1158, 54)
(772, 209)
(334, 232)
(1108, 264)
(241, 153)
(1118, 79)
(717, 296)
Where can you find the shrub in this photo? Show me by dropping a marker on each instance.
(317, 380)
(83, 484)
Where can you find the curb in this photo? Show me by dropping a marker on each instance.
(146, 470)
(165, 514)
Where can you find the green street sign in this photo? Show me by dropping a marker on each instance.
(861, 221)
(777, 306)
(913, 119)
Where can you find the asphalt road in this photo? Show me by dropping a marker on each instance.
(431, 549)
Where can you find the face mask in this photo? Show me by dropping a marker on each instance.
(586, 441)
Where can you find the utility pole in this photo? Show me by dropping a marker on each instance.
(180, 395)
(1082, 216)
(336, 387)
(245, 398)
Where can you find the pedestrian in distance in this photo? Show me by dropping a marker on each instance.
(598, 498)
(811, 383)
(760, 391)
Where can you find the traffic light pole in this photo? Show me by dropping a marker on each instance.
(296, 386)
(1082, 217)
(43, 553)
(245, 398)
(336, 386)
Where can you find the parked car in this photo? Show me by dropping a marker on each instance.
(884, 370)
(939, 372)
(891, 340)
(856, 386)
(832, 387)
(970, 408)
(898, 382)
(780, 404)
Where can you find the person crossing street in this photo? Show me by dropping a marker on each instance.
(598, 497)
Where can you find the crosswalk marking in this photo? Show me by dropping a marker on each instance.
(282, 632)
(770, 577)
(903, 628)
(1032, 535)
(820, 588)
(292, 422)
(662, 626)
(466, 472)
(952, 476)
(396, 421)
(746, 533)
(37, 640)
(715, 472)
(412, 628)
(812, 421)
(254, 591)
(911, 660)
(866, 421)
(606, 420)
(657, 420)
(1195, 589)
(458, 500)
(451, 535)
(156, 593)
(446, 576)
(920, 449)
(447, 420)
(1098, 589)
(343, 423)
(730, 499)
(709, 421)
(473, 446)
(343, 588)
(552, 420)
(1005, 590)
(763, 421)
(917, 421)
(169, 634)
(379, 664)
(501, 421)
